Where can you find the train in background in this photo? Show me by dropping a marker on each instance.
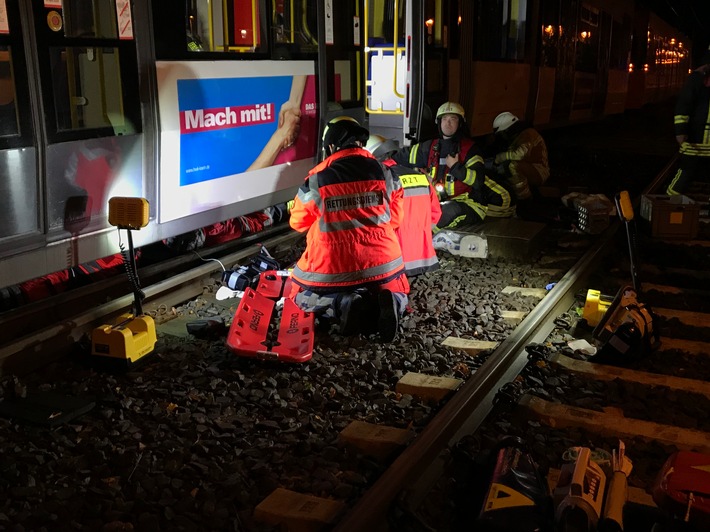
(212, 110)
(552, 62)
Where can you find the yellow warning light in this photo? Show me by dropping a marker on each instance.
(128, 213)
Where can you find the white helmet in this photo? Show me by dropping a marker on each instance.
(380, 146)
(503, 121)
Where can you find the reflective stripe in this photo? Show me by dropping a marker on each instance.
(478, 207)
(698, 150)
(421, 264)
(681, 119)
(494, 211)
(311, 194)
(353, 223)
(500, 190)
(413, 154)
(418, 191)
(470, 177)
(348, 277)
(670, 191)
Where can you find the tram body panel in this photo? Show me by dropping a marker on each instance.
(545, 95)
(617, 89)
(19, 194)
(497, 87)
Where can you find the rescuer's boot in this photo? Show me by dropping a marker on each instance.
(388, 321)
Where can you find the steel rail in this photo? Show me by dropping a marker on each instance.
(412, 473)
(31, 351)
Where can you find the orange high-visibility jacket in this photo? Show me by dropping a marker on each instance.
(351, 206)
(421, 212)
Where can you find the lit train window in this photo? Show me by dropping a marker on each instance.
(88, 67)
(8, 109)
(234, 29)
(500, 30)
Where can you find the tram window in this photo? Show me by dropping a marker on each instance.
(87, 88)
(550, 33)
(8, 109)
(93, 19)
(500, 30)
(620, 49)
(587, 40)
(231, 26)
(294, 28)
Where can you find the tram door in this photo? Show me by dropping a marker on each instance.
(393, 59)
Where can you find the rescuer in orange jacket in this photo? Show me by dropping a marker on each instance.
(350, 205)
(421, 210)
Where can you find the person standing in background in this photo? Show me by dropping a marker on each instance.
(692, 129)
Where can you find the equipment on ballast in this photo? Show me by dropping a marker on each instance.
(682, 488)
(133, 336)
(626, 330)
(268, 325)
(595, 306)
(612, 519)
(247, 276)
(468, 245)
(579, 494)
(518, 499)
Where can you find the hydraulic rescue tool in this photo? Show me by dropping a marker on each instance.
(133, 336)
(579, 494)
(626, 330)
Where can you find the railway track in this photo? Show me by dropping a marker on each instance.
(348, 431)
(656, 403)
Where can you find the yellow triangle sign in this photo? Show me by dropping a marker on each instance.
(500, 496)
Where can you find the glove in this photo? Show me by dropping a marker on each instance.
(489, 163)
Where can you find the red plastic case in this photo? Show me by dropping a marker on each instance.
(682, 488)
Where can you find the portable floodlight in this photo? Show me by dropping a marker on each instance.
(133, 336)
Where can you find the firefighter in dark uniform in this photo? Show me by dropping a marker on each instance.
(456, 168)
(692, 129)
(350, 205)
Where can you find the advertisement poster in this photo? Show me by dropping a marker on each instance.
(231, 132)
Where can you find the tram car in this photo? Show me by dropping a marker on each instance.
(212, 110)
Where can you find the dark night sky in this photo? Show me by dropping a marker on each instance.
(692, 17)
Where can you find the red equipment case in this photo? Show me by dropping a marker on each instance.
(257, 331)
(682, 488)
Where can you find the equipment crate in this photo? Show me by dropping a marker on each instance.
(670, 216)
